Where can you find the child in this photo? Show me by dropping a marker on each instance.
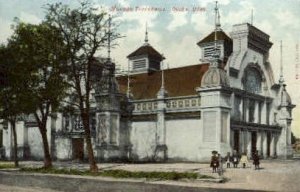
(235, 159)
(214, 163)
(256, 160)
(228, 159)
(244, 160)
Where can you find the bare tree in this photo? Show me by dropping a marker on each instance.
(85, 31)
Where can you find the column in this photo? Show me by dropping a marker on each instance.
(276, 145)
(249, 144)
(272, 145)
(259, 143)
(161, 147)
(264, 144)
(246, 109)
(242, 140)
(256, 113)
(264, 113)
(161, 128)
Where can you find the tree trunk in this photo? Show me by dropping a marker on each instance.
(13, 126)
(47, 156)
(89, 147)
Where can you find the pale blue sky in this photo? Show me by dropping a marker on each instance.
(175, 34)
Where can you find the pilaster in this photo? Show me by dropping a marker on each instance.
(264, 144)
(259, 143)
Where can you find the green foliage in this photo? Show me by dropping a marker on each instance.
(40, 55)
(6, 165)
(34, 63)
(123, 174)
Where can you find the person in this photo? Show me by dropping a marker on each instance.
(256, 160)
(244, 160)
(235, 159)
(214, 163)
(228, 159)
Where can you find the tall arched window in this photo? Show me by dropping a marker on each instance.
(252, 80)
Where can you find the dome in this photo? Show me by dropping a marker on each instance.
(285, 98)
(215, 77)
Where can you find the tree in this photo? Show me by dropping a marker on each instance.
(12, 93)
(84, 32)
(9, 101)
(39, 53)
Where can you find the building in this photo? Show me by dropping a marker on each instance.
(228, 102)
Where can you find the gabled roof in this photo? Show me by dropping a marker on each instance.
(146, 49)
(178, 82)
(221, 35)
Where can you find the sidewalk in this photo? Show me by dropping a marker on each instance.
(275, 175)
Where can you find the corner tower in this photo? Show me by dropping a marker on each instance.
(215, 95)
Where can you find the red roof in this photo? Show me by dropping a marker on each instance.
(146, 49)
(178, 82)
(221, 35)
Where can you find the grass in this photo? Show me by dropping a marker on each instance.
(122, 174)
(112, 173)
(7, 165)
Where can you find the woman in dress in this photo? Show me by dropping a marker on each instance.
(244, 160)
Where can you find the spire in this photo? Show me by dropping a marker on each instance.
(216, 54)
(162, 93)
(108, 38)
(146, 35)
(128, 83)
(162, 76)
(217, 18)
(281, 79)
(251, 16)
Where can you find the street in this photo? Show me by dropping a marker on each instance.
(274, 175)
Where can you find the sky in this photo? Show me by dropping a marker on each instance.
(175, 26)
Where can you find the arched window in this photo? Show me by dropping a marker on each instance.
(252, 80)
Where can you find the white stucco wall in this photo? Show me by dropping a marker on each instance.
(7, 142)
(63, 148)
(35, 143)
(183, 139)
(142, 138)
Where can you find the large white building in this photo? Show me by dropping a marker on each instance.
(228, 102)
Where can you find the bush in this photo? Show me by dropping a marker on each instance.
(122, 173)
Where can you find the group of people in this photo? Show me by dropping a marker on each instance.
(235, 159)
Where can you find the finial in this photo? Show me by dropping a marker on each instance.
(108, 38)
(162, 75)
(251, 16)
(217, 28)
(128, 83)
(217, 18)
(281, 79)
(162, 92)
(146, 34)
